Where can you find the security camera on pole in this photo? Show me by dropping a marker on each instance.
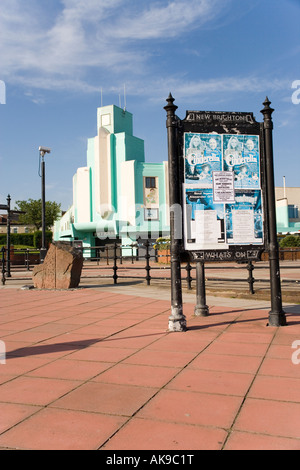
(43, 249)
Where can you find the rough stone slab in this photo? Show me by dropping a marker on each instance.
(61, 268)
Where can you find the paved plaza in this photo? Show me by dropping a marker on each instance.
(96, 368)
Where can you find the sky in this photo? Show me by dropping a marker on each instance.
(62, 59)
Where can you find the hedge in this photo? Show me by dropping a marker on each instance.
(27, 239)
(37, 238)
(290, 241)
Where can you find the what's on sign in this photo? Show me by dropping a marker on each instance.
(223, 203)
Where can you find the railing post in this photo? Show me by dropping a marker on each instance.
(250, 279)
(147, 257)
(115, 275)
(27, 258)
(201, 309)
(188, 275)
(3, 264)
(156, 254)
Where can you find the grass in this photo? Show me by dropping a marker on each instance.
(22, 247)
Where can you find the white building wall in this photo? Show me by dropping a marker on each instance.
(83, 192)
(127, 192)
(102, 178)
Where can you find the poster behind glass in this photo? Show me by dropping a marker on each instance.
(222, 191)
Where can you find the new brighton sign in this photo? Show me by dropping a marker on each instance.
(221, 174)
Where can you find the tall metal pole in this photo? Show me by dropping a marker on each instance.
(177, 321)
(43, 248)
(8, 274)
(276, 315)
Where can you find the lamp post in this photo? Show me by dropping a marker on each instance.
(8, 199)
(43, 250)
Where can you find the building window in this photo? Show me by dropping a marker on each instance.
(15, 230)
(150, 182)
(151, 214)
(293, 212)
(105, 119)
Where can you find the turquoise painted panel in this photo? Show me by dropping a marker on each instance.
(119, 121)
(282, 216)
(134, 148)
(122, 121)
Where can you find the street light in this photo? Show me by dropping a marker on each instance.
(43, 251)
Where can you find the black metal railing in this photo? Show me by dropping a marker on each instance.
(117, 261)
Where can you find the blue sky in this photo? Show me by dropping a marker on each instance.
(57, 56)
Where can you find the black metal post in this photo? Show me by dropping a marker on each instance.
(27, 259)
(8, 274)
(188, 275)
(250, 279)
(43, 248)
(148, 268)
(177, 321)
(276, 315)
(115, 268)
(201, 309)
(3, 264)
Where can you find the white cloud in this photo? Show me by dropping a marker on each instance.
(55, 49)
(49, 48)
(167, 20)
(181, 87)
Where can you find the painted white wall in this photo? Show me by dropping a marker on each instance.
(83, 195)
(127, 192)
(167, 203)
(103, 196)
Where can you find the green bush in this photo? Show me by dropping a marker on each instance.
(37, 238)
(26, 239)
(17, 239)
(162, 243)
(290, 241)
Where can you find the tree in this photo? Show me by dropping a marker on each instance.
(33, 212)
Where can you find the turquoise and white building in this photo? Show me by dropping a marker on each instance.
(117, 196)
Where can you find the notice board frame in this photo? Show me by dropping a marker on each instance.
(218, 124)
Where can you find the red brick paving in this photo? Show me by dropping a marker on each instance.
(90, 369)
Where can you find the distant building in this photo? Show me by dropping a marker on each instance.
(117, 196)
(287, 210)
(15, 225)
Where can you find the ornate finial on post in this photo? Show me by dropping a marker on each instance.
(170, 108)
(267, 103)
(170, 100)
(267, 113)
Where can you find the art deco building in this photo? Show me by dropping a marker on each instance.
(117, 196)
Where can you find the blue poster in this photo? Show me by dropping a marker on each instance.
(202, 199)
(241, 155)
(203, 155)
